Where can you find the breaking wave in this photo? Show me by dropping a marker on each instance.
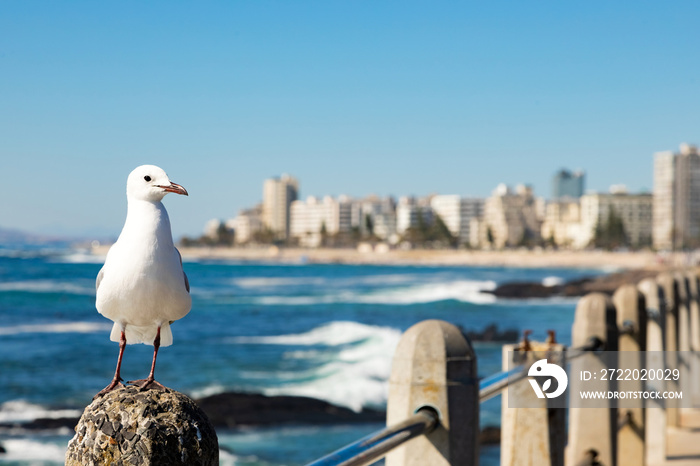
(49, 286)
(67, 327)
(469, 291)
(23, 411)
(353, 363)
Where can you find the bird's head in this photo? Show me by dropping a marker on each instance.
(150, 183)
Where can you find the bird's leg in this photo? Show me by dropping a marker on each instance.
(150, 382)
(117, 380)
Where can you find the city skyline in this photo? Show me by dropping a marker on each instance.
(354, 98)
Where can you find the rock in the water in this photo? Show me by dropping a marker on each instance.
(237, 409)
(127, 426)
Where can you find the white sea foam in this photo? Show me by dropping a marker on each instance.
(67, 327)
(209, 390)
(269, 282)
(49, 286)
(337, 282)
(552, 281)
(22, 449)
(332, 334)
(23, 411)
(79, 257)
(352, 370)
(460, 290)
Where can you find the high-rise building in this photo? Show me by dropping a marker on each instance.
(375, 216)
(677, 199)
(566, 184)
(510, 219)
(410, 212)
(278, 195)
(562, 222)
(313, 218)
(635, 211)
(246, 224)
(457, 213)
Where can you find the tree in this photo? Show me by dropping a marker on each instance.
(442, 233)
(369, 225)
(324, 234)
(610, 234)
(489, 236)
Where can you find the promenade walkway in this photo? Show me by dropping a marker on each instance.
(684, 441)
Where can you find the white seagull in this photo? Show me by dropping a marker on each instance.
(142, 286)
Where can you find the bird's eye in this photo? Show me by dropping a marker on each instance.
(147, 178)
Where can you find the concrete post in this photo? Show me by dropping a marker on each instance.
(435, 366)
(683, 331)
(532, 435)
(655, 414)
(670, 315)
(592, 428)
(694, 310)
(632, 324)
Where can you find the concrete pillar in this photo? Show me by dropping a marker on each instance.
(632, 323)
(531, 435)
(694, 311)
(684, 331)
(669, 312)
(655, 414)
(592, 428)
(435, 366)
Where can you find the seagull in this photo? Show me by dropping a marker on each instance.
(142, 287)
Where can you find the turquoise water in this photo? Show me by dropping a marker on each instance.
(325, 331)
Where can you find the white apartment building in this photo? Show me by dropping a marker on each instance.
(677, 198)
(278, 195)
(510, 219)
(246, 224)
(381, 213)
(310, 217)
(562, 222)
(457, 213)
(635, 210)
(408, 211)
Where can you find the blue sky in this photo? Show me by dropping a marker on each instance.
(355, 97)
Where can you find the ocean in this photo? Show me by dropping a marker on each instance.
(320, 330)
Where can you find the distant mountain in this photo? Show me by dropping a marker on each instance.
(8, 235)
(12, 235)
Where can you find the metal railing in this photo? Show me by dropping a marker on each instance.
(436, 367)
(374, 446)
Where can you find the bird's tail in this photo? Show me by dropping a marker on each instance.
(142, 334)
(166, 335)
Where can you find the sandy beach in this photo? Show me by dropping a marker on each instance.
(517, 258)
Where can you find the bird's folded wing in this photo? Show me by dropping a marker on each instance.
(187, 282)
(100, 276)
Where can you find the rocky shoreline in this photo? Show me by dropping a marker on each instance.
(232, 410)
(603, 284)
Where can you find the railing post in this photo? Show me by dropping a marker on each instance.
(670, 314)
(683, 332)
(632, 326)
(694, 309)
(592, 428)
(531, 435)
(435, 366)
(655, 414)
